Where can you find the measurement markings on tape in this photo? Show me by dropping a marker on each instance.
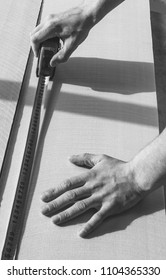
(44, 73)
(17, 214)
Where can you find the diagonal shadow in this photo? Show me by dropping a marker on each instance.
(107, 109)
(124, 77)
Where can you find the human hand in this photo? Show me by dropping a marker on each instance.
(109, 186)
(72, 27)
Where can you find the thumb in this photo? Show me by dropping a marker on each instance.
(85, 160)
(63, 54)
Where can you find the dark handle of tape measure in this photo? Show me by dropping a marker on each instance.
(17, 214)
(47, 51)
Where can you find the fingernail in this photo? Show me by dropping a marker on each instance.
(45, 209)
(53, 63)
(71, 157)
(82, 233)
(44, 197)
(56, 220)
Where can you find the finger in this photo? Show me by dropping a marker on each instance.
(65, 199)
(86, 159)
(59, 57)
(77, 209)
(65, 52)
(37, 39)
(66, 185)
(94, 222)
(40, 36)
(36, 29)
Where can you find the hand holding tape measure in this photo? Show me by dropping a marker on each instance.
(44, 71)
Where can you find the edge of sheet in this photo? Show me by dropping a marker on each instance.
(4, 169)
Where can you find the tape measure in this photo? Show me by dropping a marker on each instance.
(14, 231)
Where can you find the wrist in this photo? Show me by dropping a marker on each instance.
(141, 176)
(97, 9)
(150, 164)
(147, 170)
(89, 9)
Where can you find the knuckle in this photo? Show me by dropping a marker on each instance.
(49, 17)
(72, 195)
(51, 206)
(34, 39)
(65, 216)
(50, 191)
(89, 174)
(48, 194)
(54, 205)
(103, 157)
(81, 205)
(58, 189)
(99, 215)
(66, 184)
(85, 155)
(49, 25)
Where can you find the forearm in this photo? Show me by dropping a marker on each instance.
(99, 8)
(150, 164)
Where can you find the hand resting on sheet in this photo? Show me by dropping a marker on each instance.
(111, 186)
(108, 186)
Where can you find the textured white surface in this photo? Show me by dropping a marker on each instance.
(17, 19)
(102, 101)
